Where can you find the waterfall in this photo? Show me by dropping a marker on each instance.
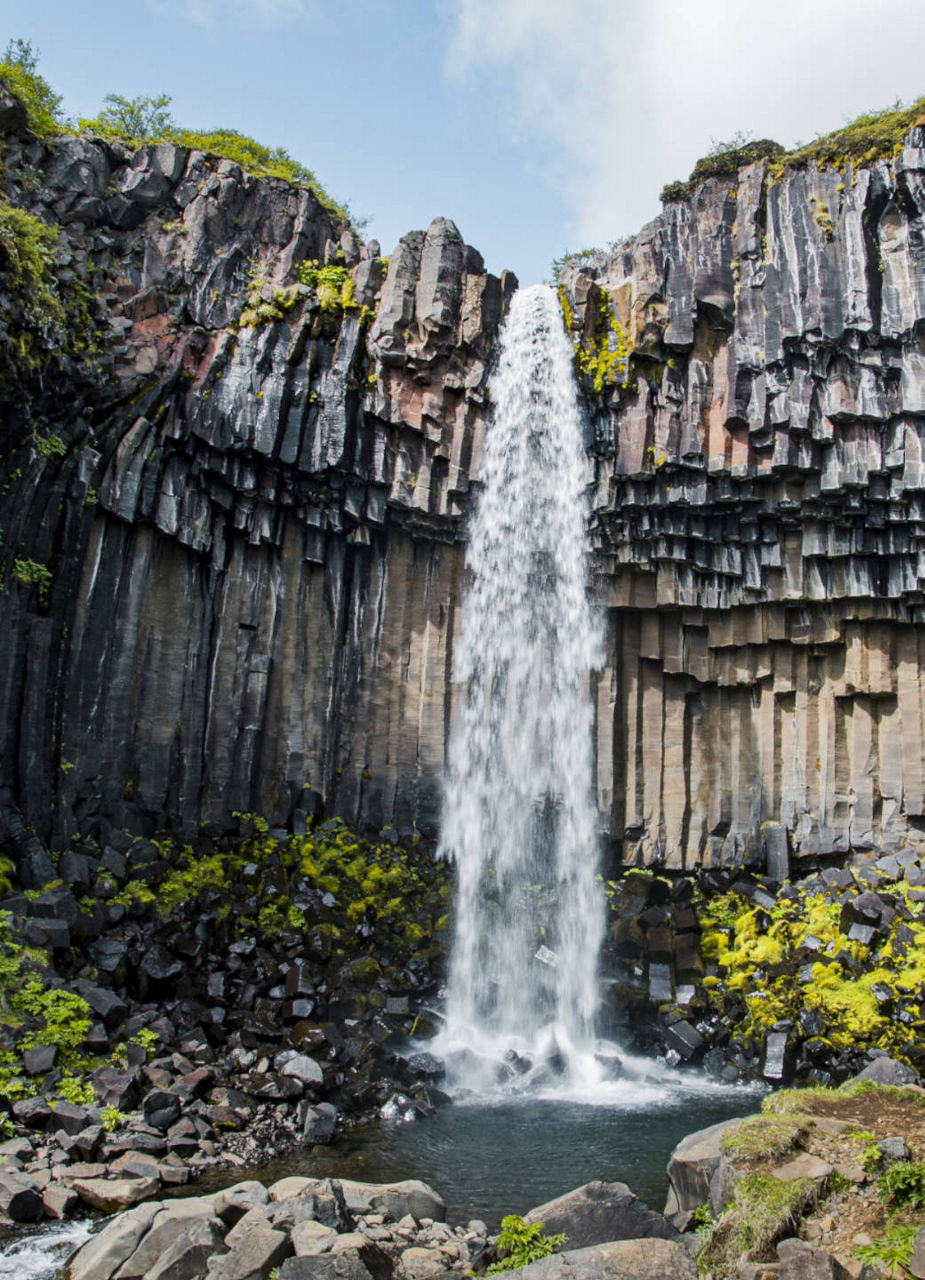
(519, 819)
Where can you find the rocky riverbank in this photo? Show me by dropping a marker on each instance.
(167, 1009)
(806, 980)
(821, 1185)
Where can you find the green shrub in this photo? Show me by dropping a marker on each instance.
(903, 1184)
(80, 1092)
(65, 1016)
(892, 1249)
(42, 105)
(723, 158)
(138, 118)
(146, 1039)
(523, 1243)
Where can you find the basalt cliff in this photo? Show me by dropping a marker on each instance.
(235, 488)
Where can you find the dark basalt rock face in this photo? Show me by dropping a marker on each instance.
(251, 534)
(758, 511)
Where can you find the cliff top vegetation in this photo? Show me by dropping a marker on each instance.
(147, 119)
(872, 136)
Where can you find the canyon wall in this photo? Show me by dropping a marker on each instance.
(234, 514)
(231, 550)
(755, 363)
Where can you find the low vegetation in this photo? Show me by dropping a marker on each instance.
(601, 357)
(148, 119)
(522, 1243)
(19, 71)
(145, 119)
(763, 1211)
(875, 135)
(723, 159)
(862, 1186)
(796, 963)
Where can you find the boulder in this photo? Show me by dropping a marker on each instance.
(304, 1069)
(233, 1203)
(59, 1202)
(616, 1260)
(20, 1197)
(376, 1261)
(319, 1123)
(103, 1254)
(802, 1165)
(399, 1199)
(692, 1166)
(165, 1229)
(601, 1211)
(111, 1194)
(310, 1238)
(888, 1071)
(161, 1109)
(346, 1266)
(116, 1088)
(422, 1264)
(802, 1261)
(253, 1256)
(916, 1262)
(69, 1117)
(197, 1240)
(40, 1059)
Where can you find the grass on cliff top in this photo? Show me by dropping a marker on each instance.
(39, 101)
(144, 119)
(871, 136)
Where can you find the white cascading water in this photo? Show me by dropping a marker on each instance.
(519, 820)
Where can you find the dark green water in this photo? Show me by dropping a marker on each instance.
(487, 1160)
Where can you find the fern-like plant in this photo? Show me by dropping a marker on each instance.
(523, 1243)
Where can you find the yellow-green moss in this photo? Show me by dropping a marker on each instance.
(601, 361)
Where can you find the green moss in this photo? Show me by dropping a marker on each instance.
(757, 953)
(601, 360)
(765, 1136)
(763, 1211)
(31, 573)
(48, 324)
(334, 285)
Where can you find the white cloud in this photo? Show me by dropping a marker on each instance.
(625, 96)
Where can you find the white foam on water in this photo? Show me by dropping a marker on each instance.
(40, 1252)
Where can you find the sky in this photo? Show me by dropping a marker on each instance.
(538, 126)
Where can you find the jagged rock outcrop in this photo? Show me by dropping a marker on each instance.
(756, 366)
(231, 528)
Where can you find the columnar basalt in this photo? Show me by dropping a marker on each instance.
(234, 508)
(754, 361)
(231, 532)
